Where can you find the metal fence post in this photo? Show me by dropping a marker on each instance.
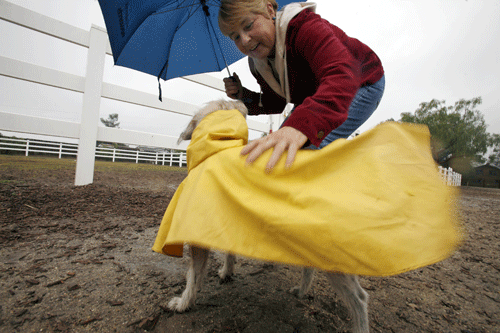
(27, 147)
(91, 104)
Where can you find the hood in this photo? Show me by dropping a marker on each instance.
(218, 131)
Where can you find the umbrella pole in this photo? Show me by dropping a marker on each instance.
(210, 25)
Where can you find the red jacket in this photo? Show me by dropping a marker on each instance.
(325, 70)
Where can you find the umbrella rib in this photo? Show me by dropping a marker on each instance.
(213, 47)
(174, 9)
(218, 43)
(192, 10)
(192, 5)
(191, 13)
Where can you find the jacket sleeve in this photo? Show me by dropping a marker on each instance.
(336, 72)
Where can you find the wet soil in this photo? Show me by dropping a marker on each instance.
(79, 259)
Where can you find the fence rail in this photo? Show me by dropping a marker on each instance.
(33, 147)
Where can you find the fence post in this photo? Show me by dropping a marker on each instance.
(137, 157)
(163, 159)
(27, 147)
(449, 178)
(60, 150)
(91, 104)
(171, 157)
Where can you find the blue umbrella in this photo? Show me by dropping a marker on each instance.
(168, 38)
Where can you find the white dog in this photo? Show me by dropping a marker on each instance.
(346, 286)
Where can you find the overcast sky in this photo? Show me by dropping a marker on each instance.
(439, 49)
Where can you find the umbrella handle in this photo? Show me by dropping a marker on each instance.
(234, 79)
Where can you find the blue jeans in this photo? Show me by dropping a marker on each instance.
(362, 106)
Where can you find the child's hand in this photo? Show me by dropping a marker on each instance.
(285, 139)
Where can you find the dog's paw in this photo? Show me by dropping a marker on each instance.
(297, 292)
(178, 304)
(225, 275)
(226, 279)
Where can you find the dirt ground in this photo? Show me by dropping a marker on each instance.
(79, 259)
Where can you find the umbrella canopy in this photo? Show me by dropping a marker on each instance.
(168, 38)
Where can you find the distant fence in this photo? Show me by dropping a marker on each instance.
(36, 147)
(61, 149)
(450, 177)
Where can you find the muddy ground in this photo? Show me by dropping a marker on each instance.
(78, 259)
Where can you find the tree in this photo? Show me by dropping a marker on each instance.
(494, 157)
(112, 121)
(458, 132)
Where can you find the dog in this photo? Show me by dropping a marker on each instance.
(346, 286)
(209, 108)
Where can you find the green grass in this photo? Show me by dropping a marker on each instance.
(28, 163)
(4, 181)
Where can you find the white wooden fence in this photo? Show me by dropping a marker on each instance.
(450, 177)
(62, 149)
(169, 158)
(93, 88)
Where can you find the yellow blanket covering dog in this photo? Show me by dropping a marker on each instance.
(374, 205)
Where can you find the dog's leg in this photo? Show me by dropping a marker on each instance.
(305, 284)
(356, 298)
(195, 274)
(227, 269)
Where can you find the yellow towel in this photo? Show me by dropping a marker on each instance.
(373, 205)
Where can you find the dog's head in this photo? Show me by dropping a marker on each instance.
(209, 108)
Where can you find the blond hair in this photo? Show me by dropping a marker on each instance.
(232, 12)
